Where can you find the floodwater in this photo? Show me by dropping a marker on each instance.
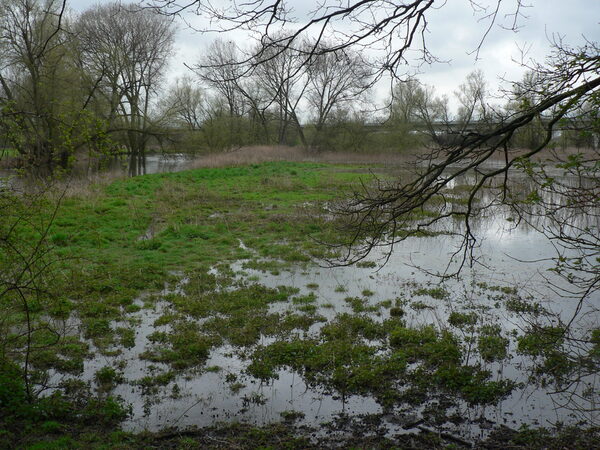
(118, 166)
(148, 164)
(507, 255)
(206, 399)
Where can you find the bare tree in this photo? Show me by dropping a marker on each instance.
(524, 94)
(182, 112)
(335, 81)
(126, 51)
(416, 115)
(383, 216)
(407, 98)
(259, 104)
(395, 28)
(278, 87)
(284, 78)
(473, 98)
(219, 67)
(244, 91)
(185, 104)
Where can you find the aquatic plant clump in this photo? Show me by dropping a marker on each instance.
(357, 356)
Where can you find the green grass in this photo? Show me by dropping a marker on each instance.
(117, 241)
(109, 244)
(353, 354)
(199, 216)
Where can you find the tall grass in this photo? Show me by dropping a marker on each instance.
(259, 154)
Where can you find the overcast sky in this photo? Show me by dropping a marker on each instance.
(455, 31)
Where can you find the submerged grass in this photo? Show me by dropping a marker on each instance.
(396, 364)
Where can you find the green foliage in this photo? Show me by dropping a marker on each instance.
(544, 438)
(334, 363)
(426, 343)
(540, 341)
(356, 355)
(366, 264)
(360, 304)
(107, 411)
(595, 341)
(473, 384)
(462, 320)
(127, 335)
(183, 347)
(350, 327)
(491, 344)
(150, 383)
(108, 377)
(438, 293)
(399, 137)
(25, 418)
(52, 88)
(520, 306)
(343, 133)
(553, 363)
(13, 395)
(224, 132)
(397, 311)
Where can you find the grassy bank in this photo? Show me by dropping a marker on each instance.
(141, 228)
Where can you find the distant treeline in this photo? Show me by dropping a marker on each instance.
(95, 84)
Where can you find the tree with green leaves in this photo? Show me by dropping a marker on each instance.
(45, 115)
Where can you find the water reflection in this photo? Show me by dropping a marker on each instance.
(109, 167)
(208, 397)
(135, 165)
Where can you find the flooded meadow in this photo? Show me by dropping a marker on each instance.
(243, 321)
